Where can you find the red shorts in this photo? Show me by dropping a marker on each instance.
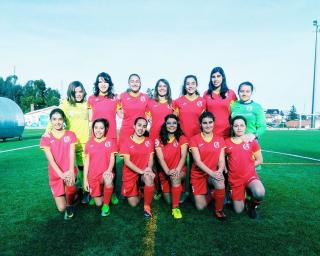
(96, 186)
(57, 184)
(165, 181)
(238, 190)
(130, 187)
(199, 185)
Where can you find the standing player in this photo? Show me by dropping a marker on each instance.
(242, 158)
(209, 163)
(218, 99)
(76, 112)
(251, 111)
(104, 104)
(98, 174)
(189, 106)
(138, 159)
(159, 107)
(59, 147)
(171, 150)
(133, 104)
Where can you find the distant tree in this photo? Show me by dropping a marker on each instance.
(293, 114)
(150, 92)
(52, 97)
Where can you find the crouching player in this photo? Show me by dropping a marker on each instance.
(59, 148)
(98, 166)
(209, 162)
(138, 159)
(243, 157)
(171, 151)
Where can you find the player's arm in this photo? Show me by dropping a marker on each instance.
(70, 172)
(221, 161)
(182, 161)
(85, 173)
(162, 162)
(258, 159)
(111, 163)
(150, 162)
(131, 165)
(53, 163)
(260, 123)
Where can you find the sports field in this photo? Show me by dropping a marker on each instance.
(289, 221)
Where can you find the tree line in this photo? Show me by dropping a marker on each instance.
(33, 92)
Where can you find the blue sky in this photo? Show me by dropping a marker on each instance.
(270, 43)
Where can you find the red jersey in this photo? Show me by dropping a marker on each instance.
(172, 151)
(132, 107)
(158, 111)
(189, 113)
(103, 107)
(241, 160)
(139, 155)
(209, 153)
(99, 153)
(220, 108)
(60, 149)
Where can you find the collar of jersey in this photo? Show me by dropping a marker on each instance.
(58, 137)
(246, 103)
(100, 140)
(135, 95)
(103, 94)
(205, 139)
(236, 142)
(197, 96)
(137, 142)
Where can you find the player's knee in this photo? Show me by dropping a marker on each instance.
(200, 206)
(259, 193)
(238, 209)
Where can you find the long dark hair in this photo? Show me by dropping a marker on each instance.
(224, 87)
(71, 92)
(164, 135)
(156, 94)
(107, 79)
(184, 90)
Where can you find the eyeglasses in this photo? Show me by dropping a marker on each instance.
(171, 123)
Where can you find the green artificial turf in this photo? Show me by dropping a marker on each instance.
(289, 223)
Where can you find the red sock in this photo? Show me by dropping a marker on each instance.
(175, 193)
(148, 194)
(219, 199)
(70, 193)
(107, 193)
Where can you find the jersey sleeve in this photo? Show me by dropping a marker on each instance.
(183, 140)
(193, 142)
(45, 141)
(175, 106)
(73, 138)
(233, 96)
(90, 101)
(255, 146)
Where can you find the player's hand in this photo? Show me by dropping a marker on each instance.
(217, 175)
(107, 177)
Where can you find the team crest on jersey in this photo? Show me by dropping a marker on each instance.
(246, 146)
(199, 103)
(107, 144)
(175, 144)
(216, 144)
(143, 98)
(66, 139)
(51, 141)
(249, 108)
(156, 143)
(147, 143)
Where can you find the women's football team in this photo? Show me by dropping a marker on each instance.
(211, 140)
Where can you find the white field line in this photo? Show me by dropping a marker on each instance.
(16, 149)
(286, 154)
